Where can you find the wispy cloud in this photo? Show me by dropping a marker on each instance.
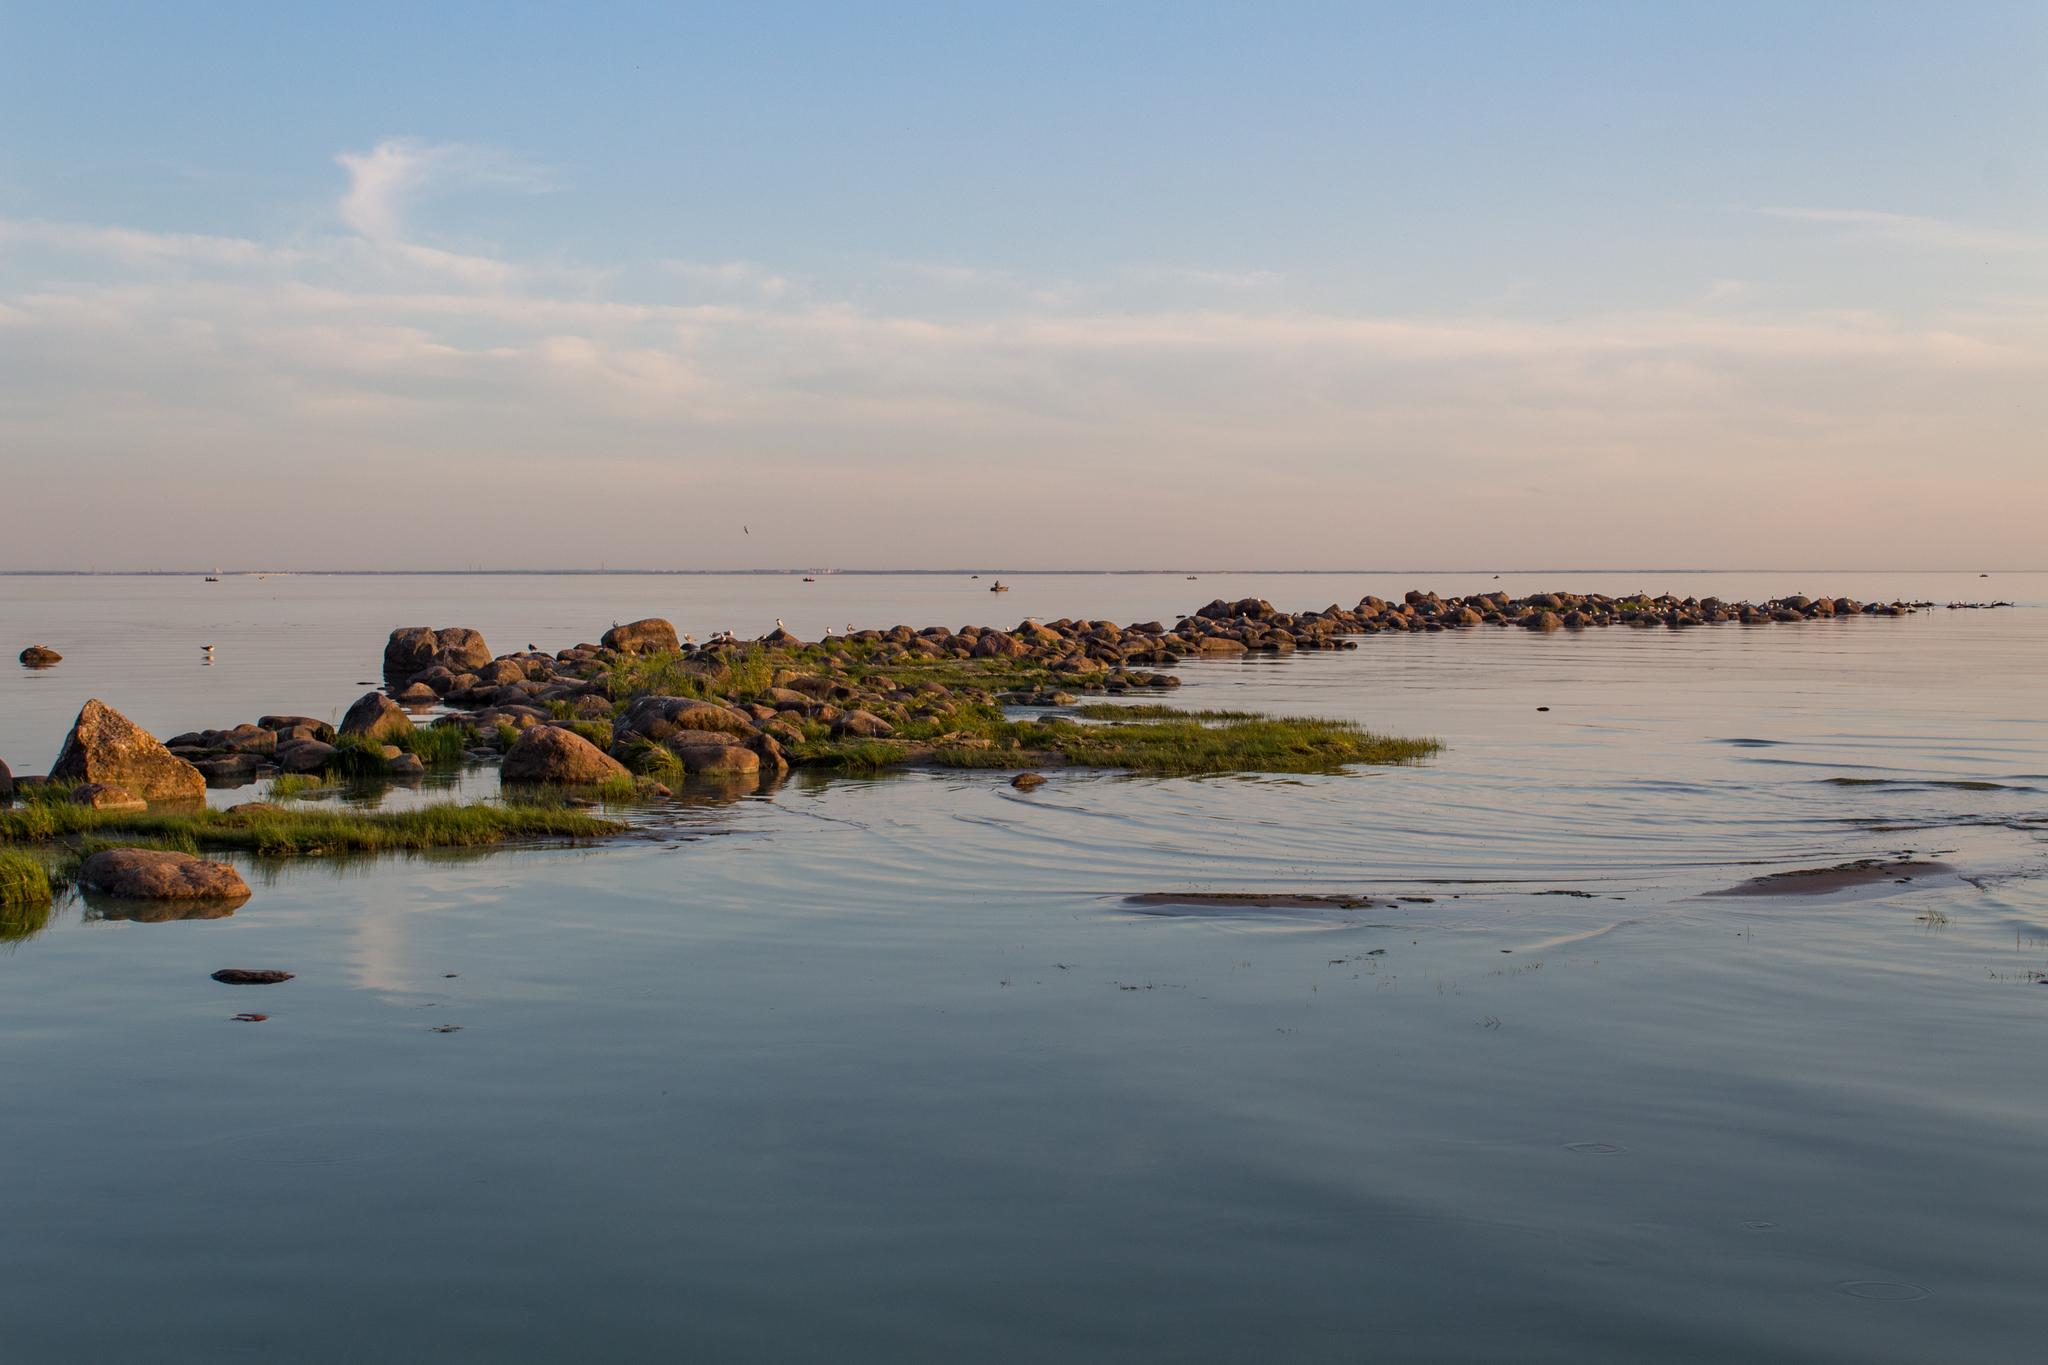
(1928, 232)
(383, 179)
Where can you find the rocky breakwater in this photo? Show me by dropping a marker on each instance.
(1545, 611)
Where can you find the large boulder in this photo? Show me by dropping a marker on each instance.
(305, 756)
(412, 648)
(106, 746)
(651, 636)
(547, 753)
(243, 739)
(657, 717)
(863, 725)
(714, 757)
(376, 716)
(159, 874)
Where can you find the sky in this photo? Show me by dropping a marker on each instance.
(1046, 286)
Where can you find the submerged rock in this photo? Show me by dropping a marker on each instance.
(160, 874)
(1025, 782)
(547, 753)
(243, 976)
(105, 746)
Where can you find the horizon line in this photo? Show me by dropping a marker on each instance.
(925, 573)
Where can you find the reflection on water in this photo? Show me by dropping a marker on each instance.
(95, 907)
(891, 1068)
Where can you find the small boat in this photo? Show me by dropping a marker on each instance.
(810, 580)
(1191, 578)
(213, 577)
(999, 587)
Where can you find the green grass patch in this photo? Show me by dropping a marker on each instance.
(307, 831)
(1109, 710)
(864, 756)
(357, 756)
(437, 746)
(291, 784)
(23, 881)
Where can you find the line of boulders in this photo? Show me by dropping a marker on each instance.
(296, 744)
(1555, 611)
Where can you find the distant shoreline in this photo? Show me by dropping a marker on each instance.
(923, 573)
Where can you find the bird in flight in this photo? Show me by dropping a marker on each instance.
(745, 531)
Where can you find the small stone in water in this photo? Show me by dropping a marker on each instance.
(240, 976)
(1025, 782)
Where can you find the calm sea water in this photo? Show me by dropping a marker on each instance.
(889, 1070)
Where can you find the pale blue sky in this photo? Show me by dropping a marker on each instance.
(1571, 282)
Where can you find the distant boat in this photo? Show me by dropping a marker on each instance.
(998, 587)
(1191, 578)
(974, 575)
(810, 580)
(213, 577)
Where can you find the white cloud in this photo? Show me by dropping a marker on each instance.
(383, 179)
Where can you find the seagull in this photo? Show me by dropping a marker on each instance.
(779, 625)
(745, 531)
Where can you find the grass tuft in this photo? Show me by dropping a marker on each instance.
(437, 746)
(306, 831)
(358, 756)
(23, 881)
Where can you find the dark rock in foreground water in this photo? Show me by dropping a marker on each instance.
(105, 746)
(36, 656)
(242, 976)
(159, 874)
